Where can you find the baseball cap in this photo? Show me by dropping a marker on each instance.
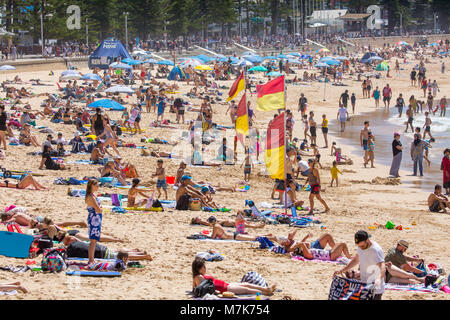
(403, 243)
(361, 235)
(205, 189)
(183, 178)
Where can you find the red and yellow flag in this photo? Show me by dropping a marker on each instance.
(242, 117)
(271, 95)
(275, 148)
(237, 87)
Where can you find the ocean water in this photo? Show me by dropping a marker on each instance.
(384, 123)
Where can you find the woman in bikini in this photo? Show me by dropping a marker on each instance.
(228, 223)
(220, 233)
(314, 181)
(134, 192)
(108, 171)
(199, 275)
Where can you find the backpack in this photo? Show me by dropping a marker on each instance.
(53, 260)
(205, 287)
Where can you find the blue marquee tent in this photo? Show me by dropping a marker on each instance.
(106, 53)
(177, 74)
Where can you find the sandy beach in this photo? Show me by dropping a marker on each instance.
(364, 197)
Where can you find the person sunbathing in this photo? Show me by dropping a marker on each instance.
(208, 198)
(61, 234)
(308, 253)
(24, 182)
(79, 249)
(12, 286)
(199, 275)
(228, 223)
(17, 79)
(219, 232)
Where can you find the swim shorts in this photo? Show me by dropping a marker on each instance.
(316, 245)
(365, 146)
(161, 184)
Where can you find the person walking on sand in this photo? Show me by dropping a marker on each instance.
(410, 116)
(314, 182)
(443, 104)
(400, 105)
(445, 167)
(370, 257)
(371, 150)
(417, 149)
(427, 126)
(342, 115)
(353, 101)
(376, 95)
(325, 129)
(397, 150)
(387, 95)
(364, 138)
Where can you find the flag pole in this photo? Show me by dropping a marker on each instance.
(285, 155)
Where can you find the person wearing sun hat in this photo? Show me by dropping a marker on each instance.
(397, 155)
(397, 257)
(370, 257)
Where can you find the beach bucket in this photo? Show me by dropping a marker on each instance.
(170, 180)
(195, 205)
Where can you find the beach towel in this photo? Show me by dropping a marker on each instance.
(8, 293)
(340, 260)
(238, 297)
(411, 287)
(350, 289)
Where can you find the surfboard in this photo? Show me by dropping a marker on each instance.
(15, 245)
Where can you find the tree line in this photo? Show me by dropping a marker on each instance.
(153, 18)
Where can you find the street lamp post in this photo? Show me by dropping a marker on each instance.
(87, 35)
(42, 33)
(126, 29)
(435, 17)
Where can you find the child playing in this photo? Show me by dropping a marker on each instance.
(248, 166)
(334, 174)
(333, 148)
(161, 183)
(429, 141)
(316, 154)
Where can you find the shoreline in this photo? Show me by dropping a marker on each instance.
(383, 132)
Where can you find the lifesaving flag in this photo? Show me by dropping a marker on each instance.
(275, 148)
(237, 87)
(271, 95)
(242, 117)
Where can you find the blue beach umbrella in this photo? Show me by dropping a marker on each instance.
(274, 74)
(321, 65)
(332, 62)
(91, 76)
(117, 65)
(165, 63)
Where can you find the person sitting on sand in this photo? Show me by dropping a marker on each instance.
(49, 163)
(134, 192)
(229, 223)
(185, 192)
(108, 171)
(98, 153)
(12, 286)
(437, 201)
(219, 232)
(79, 249)
(128, 170)
(208, 198)
(20, 216)
(23, 183)
(199, 275)
(398, 259)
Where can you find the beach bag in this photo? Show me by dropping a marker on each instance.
(53, 261)
(205, 287)
(254, 278)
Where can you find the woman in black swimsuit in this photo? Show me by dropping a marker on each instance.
(3, 128)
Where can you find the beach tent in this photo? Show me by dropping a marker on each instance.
(177, 71)
(365, 58)
(106, 53)
(382, 67)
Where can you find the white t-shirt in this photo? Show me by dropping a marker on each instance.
(61, 140)
(368, 260)
(342, 113)
(303, 165)
(289, 201)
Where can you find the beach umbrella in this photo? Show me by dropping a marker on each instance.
(321, 65)
(140, 53)
(341, 58)
(282, 56)
(203, 67)
(152, 61)
(253, 59)
(374, 58)
(244, 63)
(107, 104)
(204, 59)
(258, 68)
(7, 67)
(270, 58)
(332, 62)
(190, 62)
(71, 77)
(295, 54)
(434, 44)
(134, 62)
(321, 50)
(274, 74)
(165, 63)
(118, 65)
(91, 76)
(120, 89)
(66, 72)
